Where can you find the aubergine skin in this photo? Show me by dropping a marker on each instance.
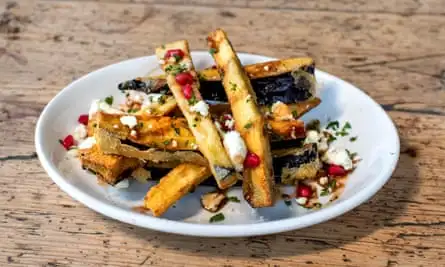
(284, 87)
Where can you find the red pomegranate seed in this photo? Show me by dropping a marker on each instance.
(304, 190)
(187, 90)
(83, 119)
(184, 78)
(336, 170)
(67, 142)
(252, 160)
(177, 53)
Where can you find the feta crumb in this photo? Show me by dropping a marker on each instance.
(122, 184)
(130, 121)
(301, 200)
(313, 137)
(133, 133)
(99, 105)
(174, 143)
(236, 148)
(201, 107)
(80, 132)
(276, 105)
(266, 68)
(323, 180)
(338, 156)
(87, 143)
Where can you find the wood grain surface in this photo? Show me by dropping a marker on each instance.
(393, 50)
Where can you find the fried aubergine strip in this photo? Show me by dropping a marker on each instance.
(112, 145)
(258, 182)
(177, 183)
(186, 92)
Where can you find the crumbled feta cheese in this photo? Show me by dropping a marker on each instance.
(230, 124)
(276, 105)
(133, 133)
(301, 200)
(122, 184)
(99, 105)
(266, 68)
(313, 137)
(201, 107)
(130, 121)
(292, 133)
(87, 143)
(80, 132)
(323, 180)
(338, 156)
(174, 143)
(236, 148)
(146, 100)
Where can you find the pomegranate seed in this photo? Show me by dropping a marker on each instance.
(83, 119)
(177, 53)
(336, 170)
(252, 160)
(187, 90)
(304, 190)
(213, 67)
(184, 78)
(227, 117)
(67, 142)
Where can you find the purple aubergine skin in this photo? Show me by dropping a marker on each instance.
(287, 88)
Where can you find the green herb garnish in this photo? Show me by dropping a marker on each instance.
(212, 51)
(217, 218)
(175, 69)
(331, 138)
(295, 114)
(163, 46)
(167, 142)
(353, 139)
(233, 199)
(177, 57)
(177, 131)
(333, 125)
(193, 100)
(233, 86)
(109, 100)
(248, 125)
(132, 110)
(346, 126)
(161, 99)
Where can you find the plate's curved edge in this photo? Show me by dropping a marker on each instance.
(213, 230)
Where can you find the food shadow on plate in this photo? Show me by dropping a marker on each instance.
(379, 212)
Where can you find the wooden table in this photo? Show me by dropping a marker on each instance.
(394, 50)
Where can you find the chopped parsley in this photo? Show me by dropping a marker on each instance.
(217, 218)
(175, 69)
(331, 138)
(177, 131)
(132, 110)
(295, 114)
(353, 139)
(334, 125)
(248, 125)
(163, 46)
(286, 199)
(177, 57)
(351, 155)
(109, 100)
(193, 100)
(201, 76)
(212, 51)
(346, 126)
(161, 99)
(140, 125)
(330, 188)
(233, 86)
(167, 142)
(233, 199)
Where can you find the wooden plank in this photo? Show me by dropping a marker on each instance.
(391, 49)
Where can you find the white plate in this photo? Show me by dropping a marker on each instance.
(377, 145)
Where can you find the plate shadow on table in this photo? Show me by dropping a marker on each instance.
(379, 212)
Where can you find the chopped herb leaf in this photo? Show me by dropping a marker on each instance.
(317, 205)
(94, 125)
(295, 114)
(175, 69)
(248, 125)
(288, 202)
(217, 218)
(177, 131)
(161, 99)
(109, 100)
(347, 126)
(331, 138)
(324, 192)
(332, 184)
(193, 100)
(233, 199)
(132, 111)
(163, 46)
(140, 125)
(353, 139)
(212, 51)
(233, 86)
(342, 133)
(194, 125)
(127, 94)
(333, 125)
(61, 141)
(201, 76)
(167, 142)
(177, 57)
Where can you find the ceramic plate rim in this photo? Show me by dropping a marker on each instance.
(209, 230)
